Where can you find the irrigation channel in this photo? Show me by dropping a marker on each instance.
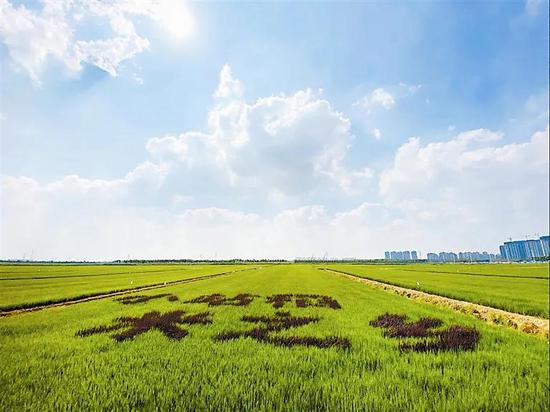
(98, 296)
(528, 324)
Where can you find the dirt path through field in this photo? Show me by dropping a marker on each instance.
(117, 293)
(525, 323)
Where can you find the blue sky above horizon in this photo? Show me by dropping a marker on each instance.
(271, 129)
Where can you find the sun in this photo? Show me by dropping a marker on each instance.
(175, 18)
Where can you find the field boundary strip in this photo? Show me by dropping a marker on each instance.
(525, 323)
(104, 295)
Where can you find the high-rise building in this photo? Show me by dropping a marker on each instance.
(401, 255)
(534, 248)
(545, 245)
(504, 252)
(523, 250)
(432, 257)
(518, 250)
(448, 257)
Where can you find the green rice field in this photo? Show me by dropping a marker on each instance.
(24, 286)
(520, 288)
(281, 337)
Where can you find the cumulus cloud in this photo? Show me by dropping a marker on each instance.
(468, 183)
(278, 147)
(33, 37)
(469, 191)
(289, 144)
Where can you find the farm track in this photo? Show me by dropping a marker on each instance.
(528, 324)
(477, 274)
(102, 295)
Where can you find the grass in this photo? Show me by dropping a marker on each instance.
(47, 365)
(520, 288)
(24, 286)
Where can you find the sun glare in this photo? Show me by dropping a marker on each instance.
(175, 18)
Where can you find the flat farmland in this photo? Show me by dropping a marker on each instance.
(24, 286)
(519, 288)
(517, 270)
(286, 337)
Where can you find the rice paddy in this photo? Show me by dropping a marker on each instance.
(287, 337)
(23, 286)
(519, 288)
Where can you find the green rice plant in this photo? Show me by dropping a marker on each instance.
(47, 365)
(23, 286)
(519, 288)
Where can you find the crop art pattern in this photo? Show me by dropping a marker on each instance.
(303, 301)
(454, 338)
(168, 323)
(132, 300)
(267, 325)
(217, 299)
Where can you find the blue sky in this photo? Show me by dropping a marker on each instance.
(276, 129)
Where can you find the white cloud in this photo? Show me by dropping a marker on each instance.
(264, 178)
(467, 184)
(228, 87)
(443, 195)
(376, 133)
(386, 98)
(382, 98)
(109, 54)
(377, 98)
(55, 226)
(282, 144)
(32, 37)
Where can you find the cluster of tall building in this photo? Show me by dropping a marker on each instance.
(512, 251)
(403, 255)
(529, 249)
(463, 257)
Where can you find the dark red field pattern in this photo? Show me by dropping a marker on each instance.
(283, 321)
(303, 301)
(168, 323)
(131, 300)
(217, 299)
(454, 338)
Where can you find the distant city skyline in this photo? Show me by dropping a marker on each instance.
(463, 257)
